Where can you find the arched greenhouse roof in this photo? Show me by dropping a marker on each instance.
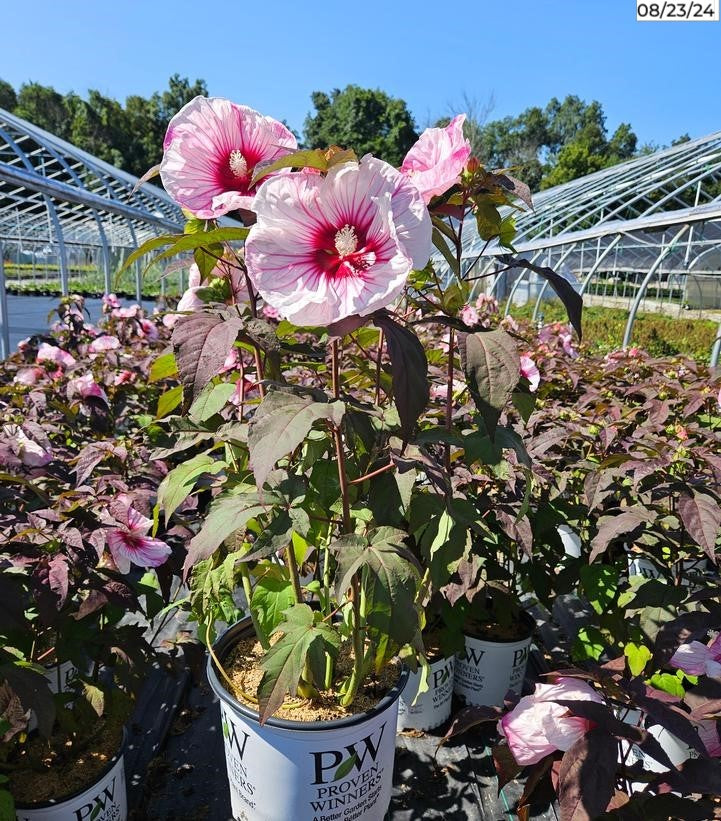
(642, 235)
(60, 202)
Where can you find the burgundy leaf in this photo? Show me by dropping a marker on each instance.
(701, 516)
(629, 523)
(202, 341)
(409, 371)
(586, 779)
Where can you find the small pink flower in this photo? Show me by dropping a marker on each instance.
(487, 303)
(29, 376)
(131, 312)
(718, 398)
(243, 387)
(326, 248)
(232, 361)
(110, 301)
(85, 387)
(537, 726)
(50, 353)
(269, 312)
(148, 329)
(681, 433)
(104, 343)
(124, 377)
(190, 301)
(129, 543)
(211, 151)
(699, 659)
(435, 162)
(469, 315)
(530, 372)
(440, 391)
(31, 453)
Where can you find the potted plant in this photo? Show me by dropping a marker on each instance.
(73, 525)
(310, 468)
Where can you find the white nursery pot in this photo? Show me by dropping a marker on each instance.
(570, 540)
(306, 770)
(486, 670)
(60, 677)
(430, 709)
(674, 748)
(641, 566)
(105, 800)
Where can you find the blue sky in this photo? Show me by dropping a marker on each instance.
(663, 78)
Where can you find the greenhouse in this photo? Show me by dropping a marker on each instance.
(65, 213)
(643, 236)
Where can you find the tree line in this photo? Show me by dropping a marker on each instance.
(545, 146)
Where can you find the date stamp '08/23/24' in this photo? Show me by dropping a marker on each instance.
(684, 10)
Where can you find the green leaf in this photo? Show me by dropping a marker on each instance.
(589, 644)
(638, 656)
(145, 248)
(488, 219)
(668, 683)
(177, 485)
(95, 698)
(281, 422)
(168, 401)
(273, 538)
(228, 513)
(440, 242)
(305, 158)
(345, 767)
(163, 368)
(390, 578)
(206, 239)
(272, 596)
(600, 584)
(492, 366)
(304, 634)
(211, 399)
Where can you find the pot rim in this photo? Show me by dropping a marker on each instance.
(526, 618)
(57, 802)
(224, 645)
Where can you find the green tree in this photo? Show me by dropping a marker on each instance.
(366, 120)
(8, 97)
(44, 107)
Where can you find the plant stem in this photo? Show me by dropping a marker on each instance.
(449, 395)
(372, 474)
(381, 339)
(247, 589)
(294, 574)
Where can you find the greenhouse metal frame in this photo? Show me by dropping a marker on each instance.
(62, 208)
(644, 235)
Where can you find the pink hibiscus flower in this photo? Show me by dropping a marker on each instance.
(148, 329)
(50, 353)
(530, 371)
(537, 726)
(435, 162)
(469, 315)
(325, 248)
(130, 312)
(699, 659)
(29, 376)
(130, 542)
(85, 386)
(110, 301)
(103, 343)
(124, 377)
(31, 453)
(211, 151)
(190, 301)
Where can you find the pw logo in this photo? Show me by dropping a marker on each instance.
(332, 765)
